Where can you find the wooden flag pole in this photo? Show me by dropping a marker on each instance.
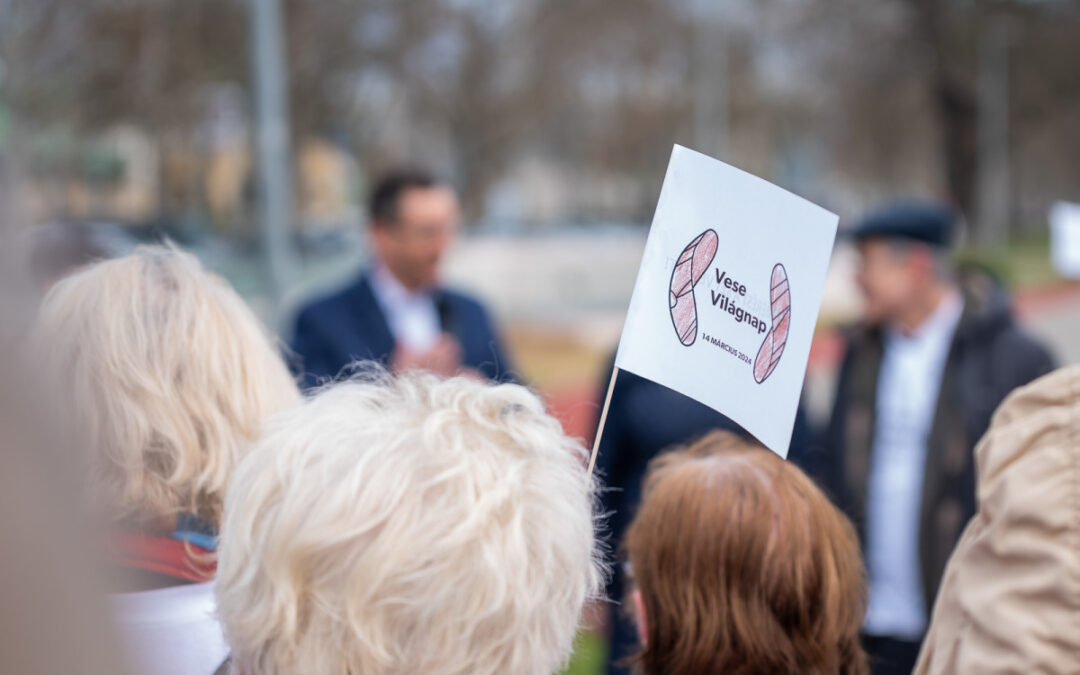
(603, 419)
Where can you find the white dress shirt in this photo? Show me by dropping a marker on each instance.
(411, 315)
(907, 394)
(170, 631)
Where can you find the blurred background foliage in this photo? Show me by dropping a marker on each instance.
(544, 112)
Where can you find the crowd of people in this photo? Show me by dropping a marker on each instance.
(401, 503)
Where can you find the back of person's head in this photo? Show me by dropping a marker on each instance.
(409, 525)
(170, 377)
(388, 189)
(1010, 595)
(743, 566)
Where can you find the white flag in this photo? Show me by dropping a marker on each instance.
(728, 293)
(1065, 239)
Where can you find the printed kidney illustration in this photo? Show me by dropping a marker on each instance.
(773, 347)
(689, 268)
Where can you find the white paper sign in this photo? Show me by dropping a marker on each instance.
(728, 292)
(1065, 238)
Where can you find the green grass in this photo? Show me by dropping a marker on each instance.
(1024, 263)
(590, 653)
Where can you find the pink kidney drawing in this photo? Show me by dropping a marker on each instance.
(773, 347)
(689, 268)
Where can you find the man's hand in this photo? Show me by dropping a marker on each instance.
(443, 359)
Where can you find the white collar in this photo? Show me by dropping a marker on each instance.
(942, 321)
(390, 291)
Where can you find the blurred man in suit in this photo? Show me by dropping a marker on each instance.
(397, 312)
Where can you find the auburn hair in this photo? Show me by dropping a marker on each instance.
(744, 566)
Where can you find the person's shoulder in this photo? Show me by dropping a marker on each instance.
(463, 300)
(989, 317)
(1007, 349)
(1020, 347)
(329, 302)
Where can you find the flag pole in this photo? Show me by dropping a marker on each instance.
(603, 419)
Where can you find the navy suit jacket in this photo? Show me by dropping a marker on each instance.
(349, 325)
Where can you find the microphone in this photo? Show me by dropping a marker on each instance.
(445, 312)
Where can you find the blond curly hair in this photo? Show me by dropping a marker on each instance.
(169, 376)
(409, 525)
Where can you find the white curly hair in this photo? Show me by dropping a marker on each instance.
(409, 525)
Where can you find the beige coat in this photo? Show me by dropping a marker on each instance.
(1010, 598)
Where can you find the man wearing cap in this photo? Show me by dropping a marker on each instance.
(937, 353)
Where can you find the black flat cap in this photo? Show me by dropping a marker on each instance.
(924, 222)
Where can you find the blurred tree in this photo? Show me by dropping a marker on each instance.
(853, 100)
(897, 74)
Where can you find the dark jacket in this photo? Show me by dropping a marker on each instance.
(988, 358)
(349, 325)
